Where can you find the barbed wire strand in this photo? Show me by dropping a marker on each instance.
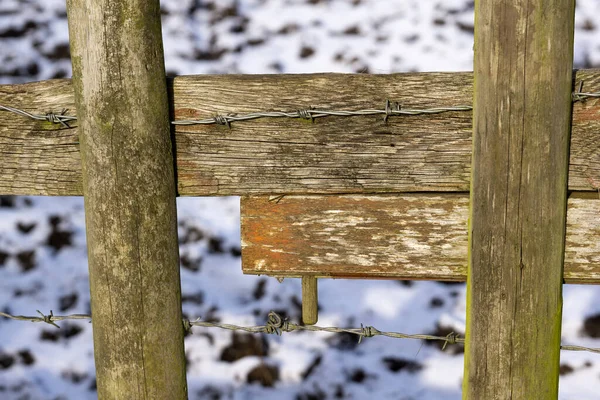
(312, 114)
(49, 319)
(277, 325)
(579, 95)
(60, 118)
(390, 110)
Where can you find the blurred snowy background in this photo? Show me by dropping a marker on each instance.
(42, 240)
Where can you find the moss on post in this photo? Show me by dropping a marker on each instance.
(129, 189)
(521, 125)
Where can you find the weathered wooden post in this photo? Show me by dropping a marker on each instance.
(521, 123)
(129, 189)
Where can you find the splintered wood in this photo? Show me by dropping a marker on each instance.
(387, 236)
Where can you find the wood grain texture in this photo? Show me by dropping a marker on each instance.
(385, 236)
(39, 157)
(521, 124)
(129, 187)
(310, 300)
(333, 155)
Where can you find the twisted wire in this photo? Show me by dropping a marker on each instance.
(50, 117)
(391, 109)
(277, 325)
(312, 114)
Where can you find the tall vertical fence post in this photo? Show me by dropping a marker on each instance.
(129, 190)
(521, 122)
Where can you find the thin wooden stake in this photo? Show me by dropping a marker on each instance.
(310, 300)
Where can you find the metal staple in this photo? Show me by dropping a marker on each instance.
(277, 325)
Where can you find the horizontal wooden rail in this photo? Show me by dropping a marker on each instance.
(385, 236)
(332, 155)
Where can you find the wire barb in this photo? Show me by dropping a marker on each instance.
(276, 325)
(48, 318)
(366, 331)
(451, 338)
(222, 120)
(389, 111)
(57, 118)
(306, 114)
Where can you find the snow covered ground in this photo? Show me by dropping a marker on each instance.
(42, 239)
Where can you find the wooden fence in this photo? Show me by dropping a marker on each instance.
(345, 195)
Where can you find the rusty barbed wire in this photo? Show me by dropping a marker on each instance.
(391, 109)
(277, 325)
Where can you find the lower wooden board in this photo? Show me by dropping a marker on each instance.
(410, 236)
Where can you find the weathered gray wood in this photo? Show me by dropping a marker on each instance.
(39, 157)
(386, 236)
(521, 123)
(129, 190)
(333, 155)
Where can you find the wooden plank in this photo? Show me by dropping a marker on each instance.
(39, 157)
(129, 192)
(333, 155)
(385, 236)
(521, 124)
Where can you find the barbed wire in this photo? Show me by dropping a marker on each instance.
(50, 117)
(49, 319)
(579, 95)
(277, 325)
(391, 109)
